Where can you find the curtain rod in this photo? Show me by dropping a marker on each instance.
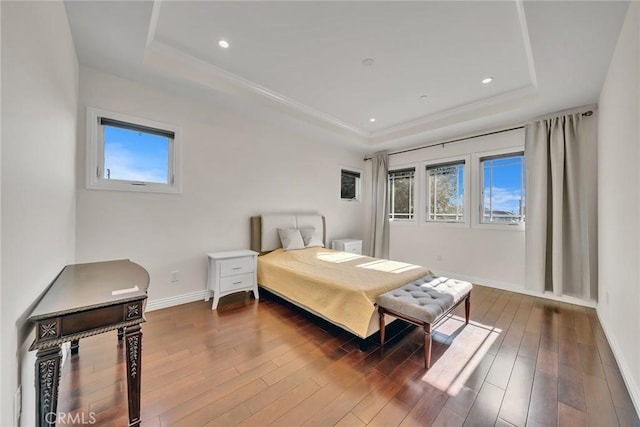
(586, 113)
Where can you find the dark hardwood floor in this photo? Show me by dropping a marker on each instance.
(521, 361)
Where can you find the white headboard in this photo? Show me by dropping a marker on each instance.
(264, 229)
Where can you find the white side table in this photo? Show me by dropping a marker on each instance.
(353, 246)
(230, 272)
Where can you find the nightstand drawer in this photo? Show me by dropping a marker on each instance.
(236, 282)
(353, 247)
(235, 266)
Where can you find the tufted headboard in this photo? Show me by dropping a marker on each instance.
(264, 228)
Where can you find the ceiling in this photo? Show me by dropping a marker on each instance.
(328, 68)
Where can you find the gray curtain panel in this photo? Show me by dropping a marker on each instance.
(561, 230)
(379, 233)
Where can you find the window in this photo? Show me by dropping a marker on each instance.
(503, 194)
(401, 193)
(131, 154)
(349, 185)
(445, 192)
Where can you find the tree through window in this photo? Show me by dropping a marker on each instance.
(445, 192)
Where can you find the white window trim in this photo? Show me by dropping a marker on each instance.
(95, 153)
(358, 198)
(416, 194)
(466, 185)
(477, 190)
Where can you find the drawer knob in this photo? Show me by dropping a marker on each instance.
(237, 268)
(237, 283)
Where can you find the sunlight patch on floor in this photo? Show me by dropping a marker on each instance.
(460, 359)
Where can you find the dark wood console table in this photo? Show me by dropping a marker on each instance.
(86, 300)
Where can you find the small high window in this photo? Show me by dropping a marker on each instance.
(131, 154)
(349, 185)
(401, 194)
(503, 195)
(445, 192)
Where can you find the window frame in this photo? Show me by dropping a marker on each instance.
(466, 182)
(95, 155)
(358, 188)
(478, 191)
(415, 213)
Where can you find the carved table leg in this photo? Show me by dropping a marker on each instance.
(133, 339)
(47, 380)
(75, 345)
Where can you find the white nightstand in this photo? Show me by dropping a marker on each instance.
(353, 246)
(230, 272)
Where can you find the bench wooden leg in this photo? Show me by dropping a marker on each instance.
(382, 325)
(467, 308)
(427, 345)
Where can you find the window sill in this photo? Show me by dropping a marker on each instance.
(132, 187)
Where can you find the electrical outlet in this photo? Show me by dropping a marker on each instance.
(175, 276)
(17, 406)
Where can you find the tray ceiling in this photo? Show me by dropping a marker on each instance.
(414, 67)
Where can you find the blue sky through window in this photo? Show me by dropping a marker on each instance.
(135, 156)
(503, 182)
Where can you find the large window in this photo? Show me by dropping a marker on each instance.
(131, 154)
(503, 192)
(401, 193)
(445, 192)
(349, 185)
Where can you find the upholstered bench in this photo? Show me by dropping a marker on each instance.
(424, 302)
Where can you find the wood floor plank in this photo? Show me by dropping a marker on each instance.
(571, 388)
(376, 399)
(280, 406)
(448, 418)
(521, 361)
(391, 415)
(486, 406)
(426, 410)
(571, 417)
(345, 401)
(306, 409)
(350, 420)
(515, 404)
(543, 407)
(590, 360)
(600, 409)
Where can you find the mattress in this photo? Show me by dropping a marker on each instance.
(339, 286)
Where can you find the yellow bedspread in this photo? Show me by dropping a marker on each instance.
(340, 286)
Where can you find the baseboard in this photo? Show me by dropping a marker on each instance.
(632, 387)
(517, 288)
(175, 300)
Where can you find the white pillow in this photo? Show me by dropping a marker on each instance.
(290, 238)
(311, 237)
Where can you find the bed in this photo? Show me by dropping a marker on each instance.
(339, 287)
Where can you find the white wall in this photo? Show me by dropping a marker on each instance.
(233, 168)
(485, 255)
(39, 122)
(619, 203)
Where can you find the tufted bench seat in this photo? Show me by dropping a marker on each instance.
(424, 302)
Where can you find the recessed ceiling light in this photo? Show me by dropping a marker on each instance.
(367, 62)
(423, 97)
(372, 119)
(487, 80)
(223, 44)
